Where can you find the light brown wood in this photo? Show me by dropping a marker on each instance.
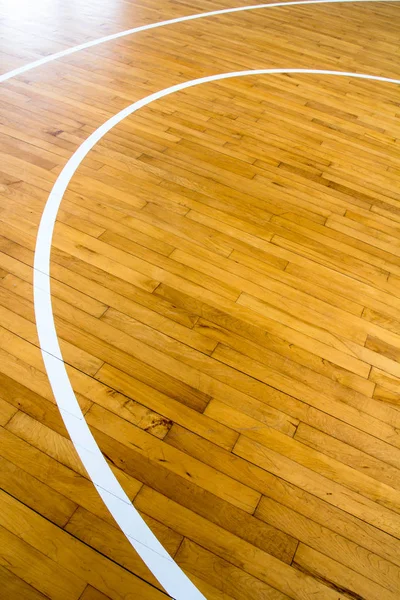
(225, 279)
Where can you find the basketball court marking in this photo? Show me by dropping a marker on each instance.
(164, 568)
(140, 536)
(120, 34)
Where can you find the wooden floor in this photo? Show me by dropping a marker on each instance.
(226, 291)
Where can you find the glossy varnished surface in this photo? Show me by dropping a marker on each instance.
(225, 281)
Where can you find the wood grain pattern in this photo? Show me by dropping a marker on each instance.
(225, 278)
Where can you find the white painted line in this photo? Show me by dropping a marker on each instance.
(140, 536)
(120, 34)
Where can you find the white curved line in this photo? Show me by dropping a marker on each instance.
(114, 36)
(142, 539)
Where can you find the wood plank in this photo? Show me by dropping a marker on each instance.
(182, 490)
(351, 435)
(37, 495)
(208, 590)
(337, 576)
(161, 269)
(60, 448)
(68, 328)
(381, 319)
(171, 409)
(252, 325)
(296, 282)
(310, 365)
(90, 593)
(190, 337)
(334, 238)
(111, 542)
(253, 561)
(7, 411)
(14, 587)
(280, 302)
(348, 455)
(330, 544)
(297, 396)
(240, 421)
(155, 450)
(36, 569)
(333, 259)
(19, 322)
(70, 484)
(239, 584)
(115, 292)
(65, 553)
(339, 496)
(346, 525)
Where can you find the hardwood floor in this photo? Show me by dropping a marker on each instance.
(225, 278)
